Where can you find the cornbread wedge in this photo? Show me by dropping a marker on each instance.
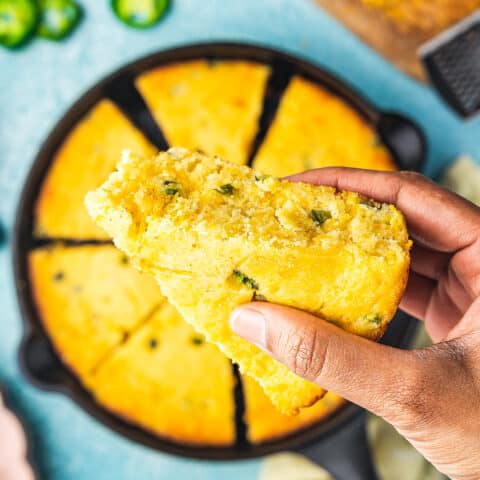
(83, 162)
(212, 106)
(313, 128)
(266, 423)
(428, 16)
(167, 379)
(216, 235)
(89, 298)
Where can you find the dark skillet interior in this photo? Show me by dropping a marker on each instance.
(36, 355)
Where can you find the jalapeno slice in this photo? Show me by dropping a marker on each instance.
(140, 13)
(17, 21)
(57, 18)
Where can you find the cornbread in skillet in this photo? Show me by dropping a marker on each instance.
(216, 234)
(168, 380)
(84, 160)
(212, 106)
(88, 298)
(266, 423)
(314, 128)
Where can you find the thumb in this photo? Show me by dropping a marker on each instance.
(369, 374)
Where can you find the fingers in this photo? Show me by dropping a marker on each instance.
(362, 371)
(442, 313)
(428, 263)
(469, 325)
(437, 218)
(417, 295)
(440, 304)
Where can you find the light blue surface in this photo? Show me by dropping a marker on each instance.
(40, 82)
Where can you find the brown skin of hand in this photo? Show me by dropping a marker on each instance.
(431, 396)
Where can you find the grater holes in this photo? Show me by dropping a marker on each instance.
(457, 63)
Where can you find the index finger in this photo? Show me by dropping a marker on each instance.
(436, 217)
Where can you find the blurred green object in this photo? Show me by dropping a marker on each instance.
(18, 19)
(140, 13)
(57, 18)
(463, 177)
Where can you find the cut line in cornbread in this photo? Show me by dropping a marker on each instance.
(167, 379)
(216, 235)
(89, 298)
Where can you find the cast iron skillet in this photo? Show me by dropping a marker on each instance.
(338, 442)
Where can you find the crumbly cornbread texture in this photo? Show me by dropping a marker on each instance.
(168, 380)
(266, 423)
(212, 106)
(89, 298)
(216, 235)
(84, 160)
(314, 128)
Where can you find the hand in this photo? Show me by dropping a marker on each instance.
(431, 396)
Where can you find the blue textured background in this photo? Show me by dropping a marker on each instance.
(38, 83)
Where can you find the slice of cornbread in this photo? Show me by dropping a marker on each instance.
(88, 298)
(216, 234)
(429, 16)
(167, 379)
(266, 423)
(206, 303)
(83, 162)
(212, 106)
(314, 128)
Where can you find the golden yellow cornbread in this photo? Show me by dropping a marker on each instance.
(168, 380)
(314, 128)
(266, 423)
(206, 304)
(89, 298)
(216, 234)
(212, 106)
(89, 153)
(425, 15)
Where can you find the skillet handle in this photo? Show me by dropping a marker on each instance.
(404, 139)
(39, 363)
(346, 453)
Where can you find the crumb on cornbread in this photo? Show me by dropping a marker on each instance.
(217, 234)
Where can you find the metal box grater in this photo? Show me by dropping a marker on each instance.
(452, 61)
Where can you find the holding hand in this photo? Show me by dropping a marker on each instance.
(431, 396)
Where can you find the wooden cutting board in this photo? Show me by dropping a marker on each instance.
(380, 33)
